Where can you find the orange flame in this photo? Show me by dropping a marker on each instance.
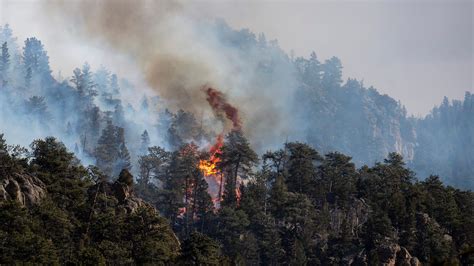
(209, 167)
(211, 172)
(213, 176)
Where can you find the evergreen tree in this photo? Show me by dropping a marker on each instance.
(230, 231)
(177, 196)
(4, 64)
(88, 82)
(338, 177)
(154, 165)
(37, 109)
(236, 160)
(301, 167)
(93, 124)
(77, 81)
(202, 205)
(36, 61)
(123, 156)
(101, 78)
(332, 73)
(119, 115)
(108, 148)
(183, 127)
(145, 142)
(84, 84)
(199, 249)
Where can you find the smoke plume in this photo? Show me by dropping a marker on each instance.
(178, 53)
(221, 107)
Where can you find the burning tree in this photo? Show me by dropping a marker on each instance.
(235, 161)
(212, 174)
(187, 198)
(229, 162)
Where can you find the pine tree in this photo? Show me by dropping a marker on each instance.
(179, 185)
(230, 231)
(154, 164)
(76, 79)
(199, 249)
(101, 79)
(119, 115)
(301, 167)
(338, 178)
(107, 149)
(183, 127)
(332, 73)
(145, 142)
(88, 82)
(123, 156)
(85, 86)
(93, 123)
(36, 61)
(37, 109)
(278, 198)
(202, 205)
(4, 64)
(236, 161)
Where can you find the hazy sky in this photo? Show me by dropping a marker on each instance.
(415, 51)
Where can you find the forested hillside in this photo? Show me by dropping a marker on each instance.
(298, 208)
(317, 107)
(332, 173)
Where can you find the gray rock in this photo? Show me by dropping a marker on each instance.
(23, 188)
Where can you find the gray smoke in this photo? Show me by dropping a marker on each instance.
(179, 53)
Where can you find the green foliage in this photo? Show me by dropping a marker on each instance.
(19, 240)
(299, 209)
(301, 167)
(4, 64)
(77, 221)
(199, 249)
(111, 153)
(150, 237)
(236, 161)
(230, 230)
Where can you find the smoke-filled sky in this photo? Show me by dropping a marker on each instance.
(415, 51)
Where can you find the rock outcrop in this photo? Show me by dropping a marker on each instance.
(122, 190)
(393, 254)
(23, 188)
(388, 255)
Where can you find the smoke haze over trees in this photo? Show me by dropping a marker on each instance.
(298, 208)
(297, 99)
(232, 153)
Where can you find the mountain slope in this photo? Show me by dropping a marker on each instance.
(301, 99)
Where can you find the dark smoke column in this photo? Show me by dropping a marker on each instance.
(221, 107)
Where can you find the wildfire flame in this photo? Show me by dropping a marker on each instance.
(211, 172)
(213, 176)
(209, 167)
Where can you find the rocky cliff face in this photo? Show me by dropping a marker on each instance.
(122, 191)
(393, 254)
(388, 254)
(23, 188)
